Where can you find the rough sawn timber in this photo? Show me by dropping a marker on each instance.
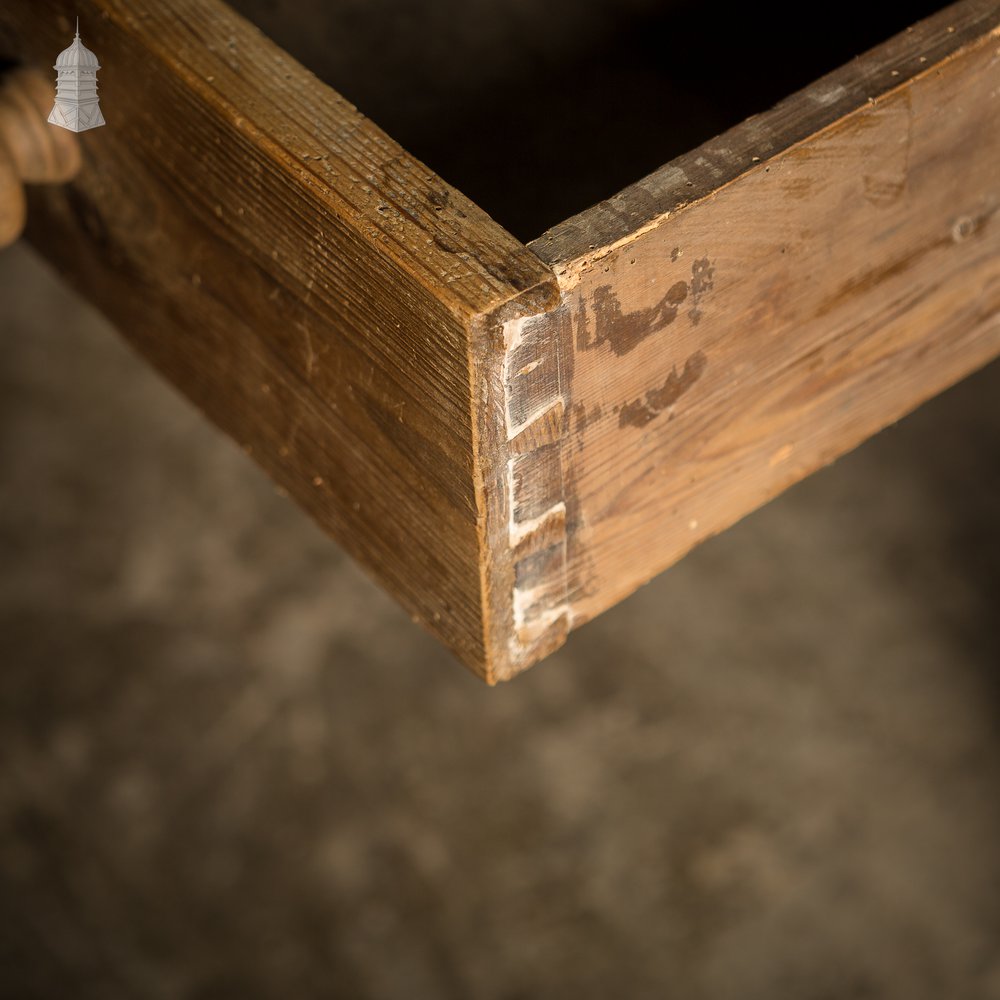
(321, 295)
(762, 305)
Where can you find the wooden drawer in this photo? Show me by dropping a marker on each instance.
(514, 436)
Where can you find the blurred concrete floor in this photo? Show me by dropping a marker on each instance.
(230, 767)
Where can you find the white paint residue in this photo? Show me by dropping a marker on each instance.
(827, 97)
(532, 618)
(534, 626)
(519, 530)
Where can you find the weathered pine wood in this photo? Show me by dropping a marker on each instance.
(315, 290)
(512, 439)
(753, 310)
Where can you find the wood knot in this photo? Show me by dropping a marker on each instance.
(31, 150)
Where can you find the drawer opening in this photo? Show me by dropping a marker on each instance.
(537, 112)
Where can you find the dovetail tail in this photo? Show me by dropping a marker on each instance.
(534, 408)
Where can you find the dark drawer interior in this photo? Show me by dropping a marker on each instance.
(537, 111)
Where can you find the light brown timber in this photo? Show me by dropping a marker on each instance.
(765, 303)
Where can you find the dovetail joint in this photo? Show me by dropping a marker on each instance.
(535, 404)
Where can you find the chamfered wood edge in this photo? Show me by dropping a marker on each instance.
(459, 274)
(584, 238)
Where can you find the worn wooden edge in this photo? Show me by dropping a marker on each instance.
(400, 207)
(335, 232)
(583, 239)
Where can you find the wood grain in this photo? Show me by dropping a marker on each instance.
(313, 288)
(512, 439)
(765, 303)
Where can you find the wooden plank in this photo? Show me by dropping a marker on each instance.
(760, 306)
(319, 293)
(511, 441)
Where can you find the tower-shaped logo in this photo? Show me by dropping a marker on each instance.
(76, 106)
